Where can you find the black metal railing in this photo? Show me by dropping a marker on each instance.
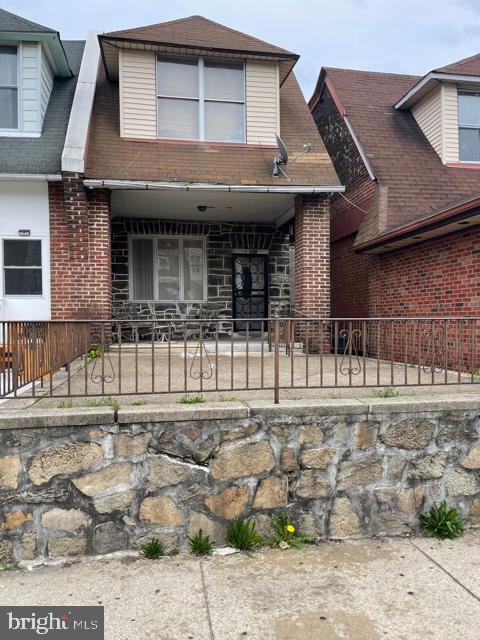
(131, 357)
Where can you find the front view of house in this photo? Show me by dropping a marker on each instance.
(171, 208)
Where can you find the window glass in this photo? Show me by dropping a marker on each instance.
(193, 269)
(177, 78)
(168, 268)
(8, 108)
(142, 268)
(177, 119)
(22, 262)
(224, 81)
(469, 142)
(8, 66)
(224, 121)
(469, 109)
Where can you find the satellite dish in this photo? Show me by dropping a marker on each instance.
(283, 158)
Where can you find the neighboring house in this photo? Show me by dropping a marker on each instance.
(407, 240)
(37, 84)
(170, 208)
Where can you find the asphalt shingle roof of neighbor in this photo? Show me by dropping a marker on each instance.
(11, 22)
(414, 180)
(43, 154)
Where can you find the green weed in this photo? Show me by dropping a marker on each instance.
(200, 544)
(443, 522)
(243, 535)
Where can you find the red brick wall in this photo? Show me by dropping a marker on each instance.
(349, 280)
(312, 255)
(81, 283)
(437, 277)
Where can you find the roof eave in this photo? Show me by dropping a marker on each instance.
(427, 83)
(51, 40)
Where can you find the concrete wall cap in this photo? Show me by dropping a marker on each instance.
(183, 412)
(320, 407)
(38, 418)
(422, 404)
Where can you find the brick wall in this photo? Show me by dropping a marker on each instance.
(312, 255)
(79, 251)
(349, 280)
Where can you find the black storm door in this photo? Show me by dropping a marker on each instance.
(250, 289)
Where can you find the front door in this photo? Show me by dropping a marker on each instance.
(250, 289)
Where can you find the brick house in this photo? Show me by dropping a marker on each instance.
(168, 207)
(405, 240)
(38, 78)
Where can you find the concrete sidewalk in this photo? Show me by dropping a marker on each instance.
(399, 589)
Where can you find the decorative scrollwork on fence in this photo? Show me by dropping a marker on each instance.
(102, 370)
(202, 366)
(350, 364)
(434, 347)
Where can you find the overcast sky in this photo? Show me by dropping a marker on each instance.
(404, 36)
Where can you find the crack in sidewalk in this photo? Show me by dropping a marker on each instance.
(207, 605)
(442, 568)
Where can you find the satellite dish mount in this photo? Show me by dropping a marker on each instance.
(282, 158)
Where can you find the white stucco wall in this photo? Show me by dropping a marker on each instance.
(24, 205)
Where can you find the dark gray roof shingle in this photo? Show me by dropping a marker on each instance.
(11, 22)
(43, 154)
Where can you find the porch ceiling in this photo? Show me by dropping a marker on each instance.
(221, 206)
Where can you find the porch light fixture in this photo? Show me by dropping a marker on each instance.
(203, 207)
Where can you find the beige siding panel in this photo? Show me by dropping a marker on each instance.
(428, 114)
(138, 102)
(262, 102)
(450, 122)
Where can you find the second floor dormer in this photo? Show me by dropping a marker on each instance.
(193, 79)
(31, 57)
(446, 105)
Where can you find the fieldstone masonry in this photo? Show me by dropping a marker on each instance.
(89, 482)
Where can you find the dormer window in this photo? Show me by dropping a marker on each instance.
(8, 87)
(469, 126)
(200, 99)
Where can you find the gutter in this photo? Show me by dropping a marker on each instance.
(74, 149)
(30, 177)
(199, 186)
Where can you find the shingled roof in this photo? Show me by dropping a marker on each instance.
(43, 155)
(9, 22)
(465, 67)
(198, 32)
(413, 182)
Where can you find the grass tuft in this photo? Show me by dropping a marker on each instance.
(139, 403)
(285, 534)
(200, 544)
(104, 402)
(188, 399)
(243, 535)
(443, 522)
(65, 404)
(386, 392)
(152, 549)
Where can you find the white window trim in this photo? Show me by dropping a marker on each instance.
(26, 296)
(201, 102)
(466, 126)
(155, 238)
(18, 130)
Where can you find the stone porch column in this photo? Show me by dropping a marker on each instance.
(81, 280)
(312, 255)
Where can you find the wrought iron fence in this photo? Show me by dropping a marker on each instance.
(123, 357)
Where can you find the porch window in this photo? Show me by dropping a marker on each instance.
(22, 267)
(469, 126)
(201, 99)
(8, 87)
(167, 269)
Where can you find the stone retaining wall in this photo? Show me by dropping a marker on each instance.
(83, 481)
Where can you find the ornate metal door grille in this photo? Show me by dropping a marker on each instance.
(250, 289)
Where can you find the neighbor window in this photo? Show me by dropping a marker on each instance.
(201, 99)
(8, 88)
(165, 268)
(22, 267)
(469, 126)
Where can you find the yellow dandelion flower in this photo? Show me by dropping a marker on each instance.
(290, 528)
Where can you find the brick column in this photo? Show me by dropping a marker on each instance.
(312, 256)
(81, 282)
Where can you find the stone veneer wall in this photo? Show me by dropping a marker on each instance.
(92, 483)
(222, 239)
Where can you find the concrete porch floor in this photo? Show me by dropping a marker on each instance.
(398, 589)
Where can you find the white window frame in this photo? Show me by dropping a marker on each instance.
(155, 238)
(4, 131)
(476, 127)
(4, 268)
(201, 100)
